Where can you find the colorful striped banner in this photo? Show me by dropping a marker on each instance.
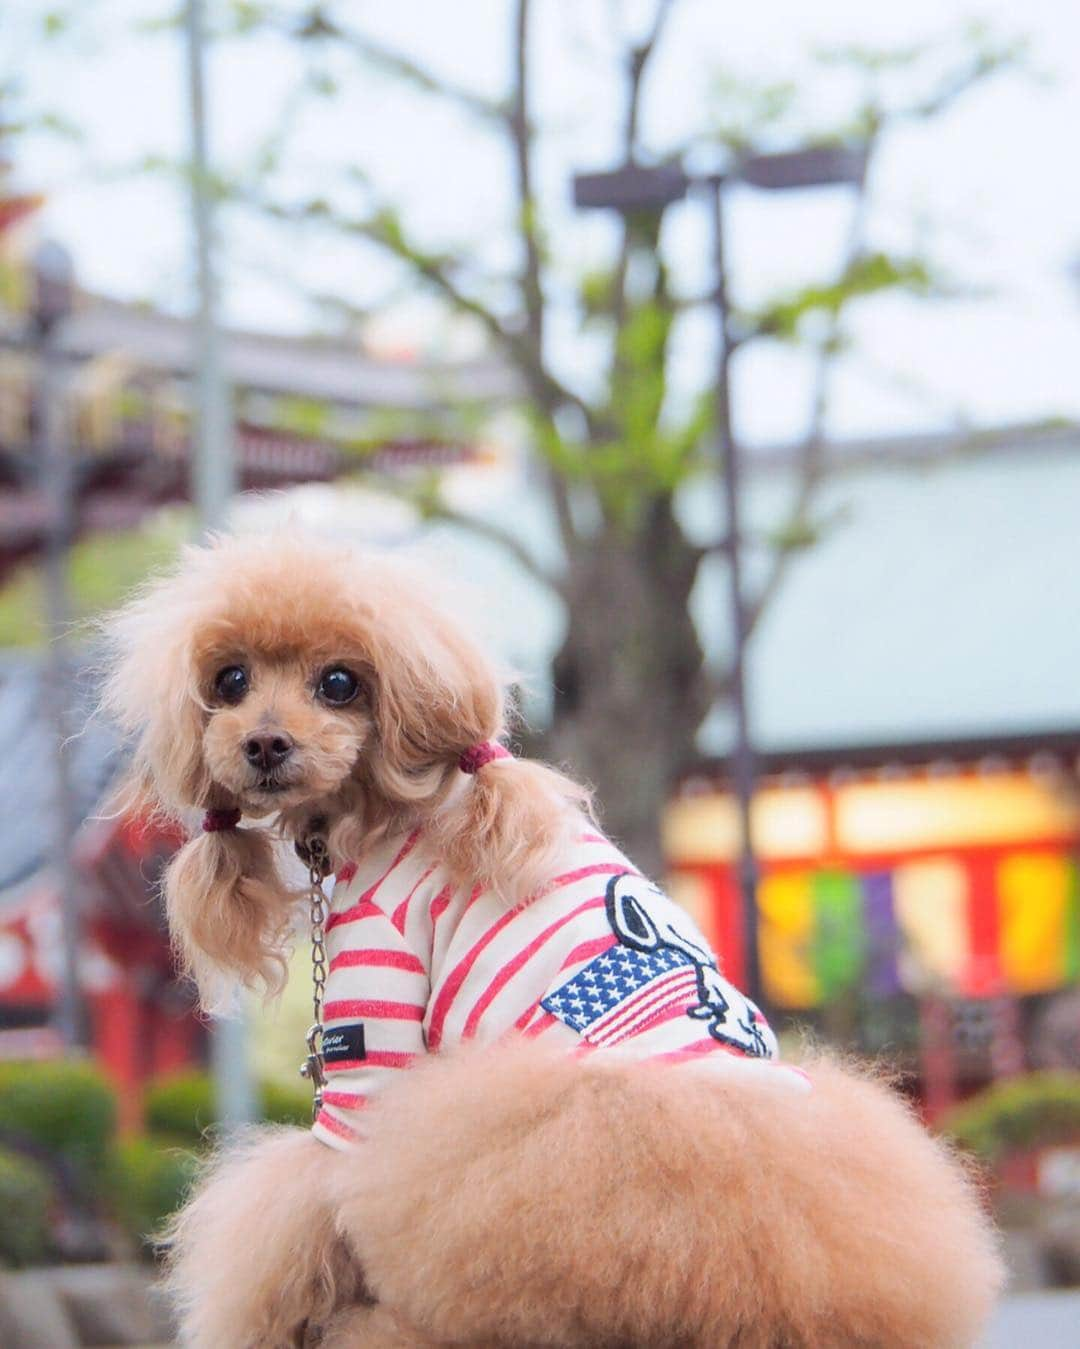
(975, 927)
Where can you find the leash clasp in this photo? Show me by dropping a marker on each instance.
(313, 1068)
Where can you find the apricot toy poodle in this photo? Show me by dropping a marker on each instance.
(546, 1118)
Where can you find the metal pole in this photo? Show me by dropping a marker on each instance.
(743, 767)
(213, 476)
(55, 459)
(213, 468)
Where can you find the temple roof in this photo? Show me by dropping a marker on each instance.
(941, 601)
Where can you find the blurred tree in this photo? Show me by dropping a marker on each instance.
(632, 685)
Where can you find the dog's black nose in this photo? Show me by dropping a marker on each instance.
(267, 750)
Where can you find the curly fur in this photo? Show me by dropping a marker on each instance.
(229, 914)
(285, 605)
(373, 1328)
(254, 1257)
(520, 1199)
(527, 1199)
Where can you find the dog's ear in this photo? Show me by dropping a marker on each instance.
(509, 826)
(150, 691)
(229, 913)
(226, 904)
(435, 695)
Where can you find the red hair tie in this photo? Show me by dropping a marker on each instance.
(477, 756)
(220, 821)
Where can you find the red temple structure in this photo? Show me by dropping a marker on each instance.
(921, 897)
(306, 410)
(141, 1019)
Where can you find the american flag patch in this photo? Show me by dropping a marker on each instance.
(621, 991)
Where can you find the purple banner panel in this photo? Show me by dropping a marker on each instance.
(883, 939)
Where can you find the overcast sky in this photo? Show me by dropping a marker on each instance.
(993, 186)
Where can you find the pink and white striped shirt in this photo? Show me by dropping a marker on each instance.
(599, 960)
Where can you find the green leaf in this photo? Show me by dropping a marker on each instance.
(869, 274)
(315, 25)
(304, 416)
(596, 293)
(59, 125)
(245, 16)
(322, 83)
(55, 22)
(744, 112)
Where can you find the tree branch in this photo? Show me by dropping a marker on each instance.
(381, 227)
(639, 59)
(318, 25)
(549, 393)
(560, 496)
(638, 63)
(983, 65)
(431, 507)
(509, 543)
(811, 466)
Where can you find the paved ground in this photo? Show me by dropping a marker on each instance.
(1028, 1321)
(1037, 1321)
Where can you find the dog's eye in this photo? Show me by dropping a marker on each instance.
(338, 686)
(231, 684)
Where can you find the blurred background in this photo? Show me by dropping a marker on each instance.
(726, 356)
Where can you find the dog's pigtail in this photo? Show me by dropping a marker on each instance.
(229, 913)
(438, 700)
(508, 825)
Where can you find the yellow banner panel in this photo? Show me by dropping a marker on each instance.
(1033, 898)
(786, 940)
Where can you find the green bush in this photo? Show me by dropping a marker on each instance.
(151, 1175)
(26, 1195)
(1036, 1110)
(286, 1104)
(184, 1107)
(67, 1108)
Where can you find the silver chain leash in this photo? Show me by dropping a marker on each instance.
(313, 1068)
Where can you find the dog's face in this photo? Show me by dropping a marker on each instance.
(282, 730)
(271, 674)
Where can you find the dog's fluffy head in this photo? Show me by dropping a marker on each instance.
(299, 681)
(271, 673)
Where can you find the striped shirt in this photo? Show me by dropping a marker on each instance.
(599, 961)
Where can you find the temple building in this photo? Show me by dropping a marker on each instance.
(916, 701)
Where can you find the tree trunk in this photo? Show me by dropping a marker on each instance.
(629, 693)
